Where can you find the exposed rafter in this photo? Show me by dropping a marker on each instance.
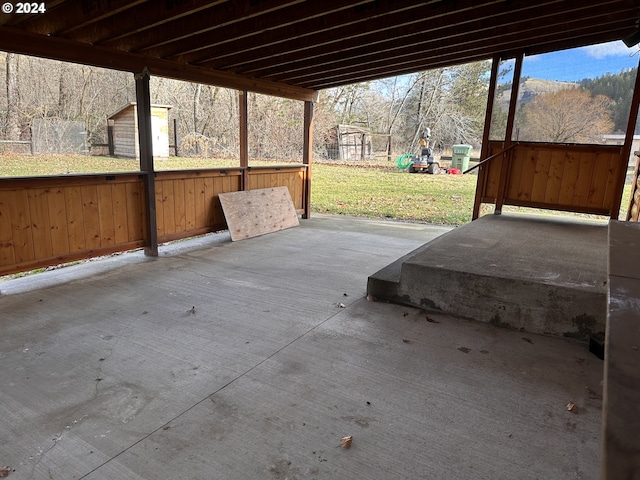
(292, 48)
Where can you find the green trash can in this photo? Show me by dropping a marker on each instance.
(460, 157)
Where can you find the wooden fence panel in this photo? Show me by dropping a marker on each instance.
(292, 177)
(578, 178)
(187, 201)
(50, 220)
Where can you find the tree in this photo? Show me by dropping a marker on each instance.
(567, 116)
(619, 88)
(12, 126)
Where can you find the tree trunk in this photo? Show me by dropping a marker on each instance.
(196, 102)
(12, 130)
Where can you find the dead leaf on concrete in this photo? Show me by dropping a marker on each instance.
(430, 320)
(572, 407)
(406, 340)
(345, 442)
(340, 305)
(5, 471)
(372, 298)
(192, 310)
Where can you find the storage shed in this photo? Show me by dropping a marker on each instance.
(123, 127)
(349, 142)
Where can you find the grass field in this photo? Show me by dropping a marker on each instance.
(377, 191)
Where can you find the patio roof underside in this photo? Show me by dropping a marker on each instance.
(292, 48)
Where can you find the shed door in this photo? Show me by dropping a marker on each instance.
(160, 135)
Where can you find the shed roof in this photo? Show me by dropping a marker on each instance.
(292, 48)
(133, 104)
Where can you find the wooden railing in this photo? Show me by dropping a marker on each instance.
(575, 178)
(51, 220)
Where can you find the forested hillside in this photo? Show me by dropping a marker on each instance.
(619, 88)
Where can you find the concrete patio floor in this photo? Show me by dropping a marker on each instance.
(223, 360)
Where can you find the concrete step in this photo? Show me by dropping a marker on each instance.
(538, 274)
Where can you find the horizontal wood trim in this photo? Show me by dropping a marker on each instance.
(211, 172)
(192, 233)
(562, 208)
(71, 257)
(9, 183)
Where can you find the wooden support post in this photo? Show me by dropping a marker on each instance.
(493, 82)
(143, 100)
(625, 153)
(505, 165)
(244, 137)
(307, 154)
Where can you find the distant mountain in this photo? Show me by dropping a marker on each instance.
(529, 89)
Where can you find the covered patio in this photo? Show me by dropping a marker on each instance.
(253, 359)
(152, 375)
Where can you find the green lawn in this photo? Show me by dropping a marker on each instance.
(391, 193)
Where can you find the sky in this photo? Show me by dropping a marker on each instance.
(580, 63)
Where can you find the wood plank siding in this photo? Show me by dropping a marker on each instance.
(51, 220)
(576, 178)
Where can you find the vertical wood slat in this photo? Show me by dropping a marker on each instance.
(120, 223)
(136, 221)
(7, 256)
(597, 187)
(106, 224)
(40, 227)
(199, 202)
(586, 163)
(554, 181)
(541, 176)
(189, 204)
(612, 187)
(21, 227)
(58, 221)
(75, 219)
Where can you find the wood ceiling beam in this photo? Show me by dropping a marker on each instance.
(405, 27)
(482, 30)
(187, 27)
(406, 65)
(371, 76)
(128, 23)
(345, 22)
(18, 41)
(69, 15)
(425, 45)
(252, 27)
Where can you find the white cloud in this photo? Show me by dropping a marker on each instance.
(611, 49)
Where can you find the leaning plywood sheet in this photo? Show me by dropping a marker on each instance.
(256, 212)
